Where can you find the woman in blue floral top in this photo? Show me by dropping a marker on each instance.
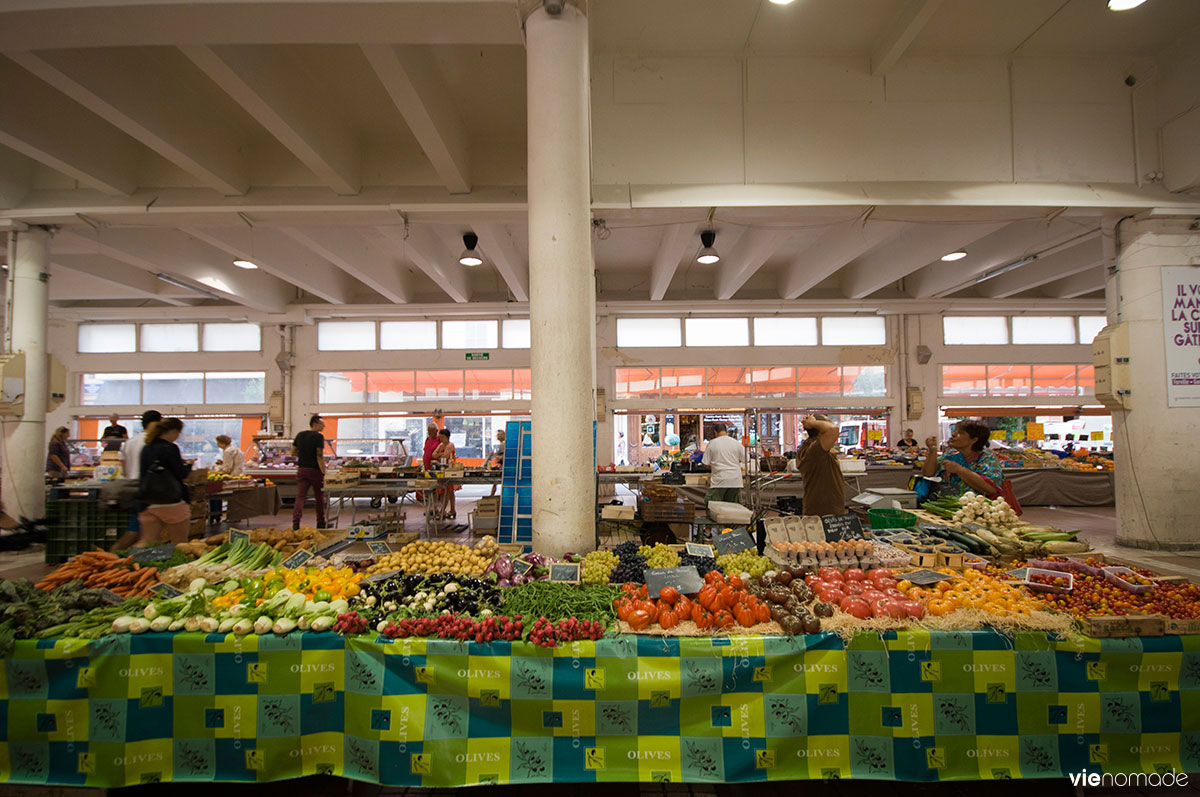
(968, 465)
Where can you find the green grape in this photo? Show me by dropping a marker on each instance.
(659, 556)
(597, 567)
(744, 562)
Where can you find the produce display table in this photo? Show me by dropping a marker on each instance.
(1055, 487)
(913, 706)
(249, 502)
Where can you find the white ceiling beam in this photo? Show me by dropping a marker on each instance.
(677, 242)
(42, 124)
(497, 245)
(915, 248)
(67, 285)
(282, 257)
(116, 90)
(1064, 263)
(360, 252)
(419, 92)
(129, 277)
(51, 24)
(168, 251)
(1008, 245)
(900, 34)
(269, 86)
(754, 249)
(828, 254)
(1081, 284)
(425, 250)
(16, 177)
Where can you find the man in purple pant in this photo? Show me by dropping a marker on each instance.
(309, 450)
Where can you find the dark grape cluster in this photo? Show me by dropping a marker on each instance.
(631, 567)
(703, 564)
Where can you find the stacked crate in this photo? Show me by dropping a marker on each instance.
(78, 521)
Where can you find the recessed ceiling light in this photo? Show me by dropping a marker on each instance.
(952, 256)
(707, 255)
(470, 257)
(246, 264)
(1123, 5)
(782, 2)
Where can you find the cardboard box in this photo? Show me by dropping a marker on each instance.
(488, 507)
(614, 512)
(341, 478)
(697, 479)
(484, 522)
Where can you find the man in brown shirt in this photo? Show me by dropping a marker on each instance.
(824, 485)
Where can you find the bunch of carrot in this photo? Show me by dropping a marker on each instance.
(105, 571)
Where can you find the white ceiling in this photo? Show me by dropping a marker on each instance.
(347, 146)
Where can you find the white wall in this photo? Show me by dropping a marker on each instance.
(791, 119)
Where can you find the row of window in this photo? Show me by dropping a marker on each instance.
(511, 333)
(380, 387)
(784, 381)
(163, 389)
(659, 333)
(1018, 380)
(1001, 330)
(125, 338)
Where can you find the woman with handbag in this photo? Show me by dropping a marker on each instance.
(161, 487)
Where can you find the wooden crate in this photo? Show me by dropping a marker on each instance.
(1127, 626)
(341, 478)
(676, 512)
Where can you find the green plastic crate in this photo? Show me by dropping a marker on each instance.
(76, 526)
(891, 519)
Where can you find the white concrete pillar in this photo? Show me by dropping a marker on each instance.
(562, 297)
(24, 456)
(1155, 445)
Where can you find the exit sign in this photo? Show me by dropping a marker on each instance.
(479, 355)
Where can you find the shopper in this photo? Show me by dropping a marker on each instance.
(131, 454)
(908, 442)
(431, 443)
(232, 461)
(114, 434)
(724, 456)
(969, 464)
(446, 455)
(497, 458)
(824, 485)
(58, 457)
(622, 449)
(309, 450)
(161, 486)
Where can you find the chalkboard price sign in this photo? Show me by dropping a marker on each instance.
(165, 591)
(698, 549)
(297, 559)
(925, 577)
(733, 541)
(686, 580)
(521, 567)
(380, 576)
(565, 572)
(235, 535)
(108, 596)
(842, 527)
(357, 557)
(155, 554)
(379, 548)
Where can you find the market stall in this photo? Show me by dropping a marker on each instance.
(950, 643)
(912, 706)
(1056, 487)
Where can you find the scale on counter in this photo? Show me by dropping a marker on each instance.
(882, 498)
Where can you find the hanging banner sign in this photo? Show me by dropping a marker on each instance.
(1181, 334)
(1035, 431)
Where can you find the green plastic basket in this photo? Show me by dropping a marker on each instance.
(891, 519)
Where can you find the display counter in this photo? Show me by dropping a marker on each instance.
(910, 706)
(1056, 487)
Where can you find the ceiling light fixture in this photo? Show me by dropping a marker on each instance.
(950, 257)
(707, 255)
(782, 2)
(1005, 269)
(246, 264)
(470, 257)
(1123, 5)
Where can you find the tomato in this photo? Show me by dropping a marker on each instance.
(707, 596)
(650, 608)
(639, 619)
(728, 597)
(745, 617)
(882, 572)
(812, 579)
(914, 609)
(668, 595)
(893, 608)
(704, 619)
(904, 586)
(322, 595)
(735, 582)
(713, 577)
(667, 619)
(855, 606)
(643, 592)
(831, 595)
(684, 607)
(855, 588)
(870, 595)
(624, 609)
(762, 613)
(723, 619)
(830, 574)
(854, 574)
